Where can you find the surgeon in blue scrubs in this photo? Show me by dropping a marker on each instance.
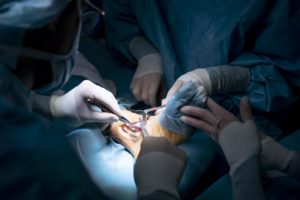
(233, 48)
(38, 45)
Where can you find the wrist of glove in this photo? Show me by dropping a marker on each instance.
(150, 63)
(140, 46)
(72, 108)
(240, 142)
(60, 107)
(159, 167)
(148, 57)
(219, 79)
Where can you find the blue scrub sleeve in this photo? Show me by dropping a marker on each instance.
(121, 26)
(274, 59)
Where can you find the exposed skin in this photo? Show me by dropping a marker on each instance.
(132, 139)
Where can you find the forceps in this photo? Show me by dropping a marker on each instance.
(103, 108)
(124, 120)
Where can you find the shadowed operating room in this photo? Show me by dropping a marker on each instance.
(141, 99)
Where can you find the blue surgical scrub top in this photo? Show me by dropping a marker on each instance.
(260, 35)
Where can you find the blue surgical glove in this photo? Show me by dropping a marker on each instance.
(188, 94)
(222, 79)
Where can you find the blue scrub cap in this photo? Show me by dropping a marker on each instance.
(29, 13)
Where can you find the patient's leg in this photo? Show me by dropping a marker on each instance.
(131, 136)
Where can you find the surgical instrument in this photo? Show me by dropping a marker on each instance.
(145, 114)
(101, 108)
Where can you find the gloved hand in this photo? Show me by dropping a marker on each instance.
(218, 79)
(147, 79)
(239, 141)
(158, 169)
(215, 118)
(148, 75)
(169, 118)
(73, 106)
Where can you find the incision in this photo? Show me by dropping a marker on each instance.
(130, 135)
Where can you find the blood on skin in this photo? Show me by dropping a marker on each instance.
(131, 129)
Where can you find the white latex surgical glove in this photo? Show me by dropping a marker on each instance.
(240, 142)
(275, 156)
(148, 75)
(214, 118)
(74, 108)
(225, 128)
(214, 80)
(147, 79)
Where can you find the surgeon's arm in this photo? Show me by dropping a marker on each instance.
(239, 141)
(121, 26)
(125, 36)
(242, 152)
(158, 169)
(148, 75)
(223, 79)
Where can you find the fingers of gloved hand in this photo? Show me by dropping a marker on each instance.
(153, 90)
(199, 113)
(145, 93)
(153, 80)
(200, 118)
(245, 109)
(178, 83)
(88, 90)
(136, 88)
(224, 116)
(145, 88)
(201, 124)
